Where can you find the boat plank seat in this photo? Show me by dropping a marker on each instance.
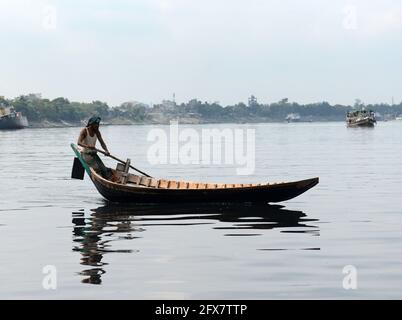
(183, 185)
(192, 185)
(173, 184)
(163, 184)
(145, 181)
(134, 179)
(154, 183)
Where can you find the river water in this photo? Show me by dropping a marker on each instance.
(61, 240)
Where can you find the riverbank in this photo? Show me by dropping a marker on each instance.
(61, 112)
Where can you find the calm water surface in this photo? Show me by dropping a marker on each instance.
(353, 217)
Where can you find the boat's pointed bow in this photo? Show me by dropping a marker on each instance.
(308, 184)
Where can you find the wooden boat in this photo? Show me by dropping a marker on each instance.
(128, 187)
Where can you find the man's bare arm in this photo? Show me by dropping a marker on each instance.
(103, 144)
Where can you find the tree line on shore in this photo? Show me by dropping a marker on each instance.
(39, 109)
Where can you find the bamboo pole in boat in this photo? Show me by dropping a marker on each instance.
(121, 161)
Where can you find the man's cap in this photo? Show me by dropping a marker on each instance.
(93, 120)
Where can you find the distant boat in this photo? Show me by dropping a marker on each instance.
(361, 118)
(10, 119)
(398, 117)
(293, 117)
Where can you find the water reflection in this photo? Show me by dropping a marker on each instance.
(93, 236)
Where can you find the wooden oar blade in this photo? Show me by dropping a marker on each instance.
(78, 171)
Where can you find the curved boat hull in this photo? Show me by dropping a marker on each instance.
(19, 122)
(363, 123)
(266, 193)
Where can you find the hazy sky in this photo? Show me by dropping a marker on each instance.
(213, 50)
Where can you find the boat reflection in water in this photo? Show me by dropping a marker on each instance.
(93, 236)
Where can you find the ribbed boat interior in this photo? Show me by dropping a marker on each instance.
(145, 182)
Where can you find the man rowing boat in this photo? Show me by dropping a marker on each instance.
(87, 141)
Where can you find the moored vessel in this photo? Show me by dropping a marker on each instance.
(10, 119)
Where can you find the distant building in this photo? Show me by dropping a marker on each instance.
(252, 101)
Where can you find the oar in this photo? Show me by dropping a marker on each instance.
(121, 161)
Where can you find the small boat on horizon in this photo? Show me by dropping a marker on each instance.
(361, 118)
(293, 117)
(10, 119)
(130, 188)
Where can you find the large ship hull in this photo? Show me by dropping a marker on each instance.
(19, 122)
